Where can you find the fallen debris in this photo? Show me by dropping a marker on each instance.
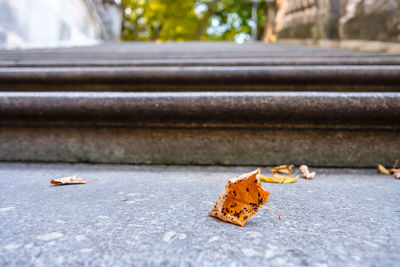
(240, 199)
(279, 179)
(395, 172)
(306, 173)
(383, 170)
(285, 169)
(68, 180)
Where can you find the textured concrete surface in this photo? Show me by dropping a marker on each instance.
(149, 215)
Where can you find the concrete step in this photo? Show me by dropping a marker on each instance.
(252, 128)
(203, 61)
(180, 50)
(198, 67)
(202, 78)
(147, 103)
(153, 216)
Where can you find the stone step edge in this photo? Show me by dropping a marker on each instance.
(302, 75)
(238, 61)
(203, 109)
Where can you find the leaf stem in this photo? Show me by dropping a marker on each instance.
(271, 210)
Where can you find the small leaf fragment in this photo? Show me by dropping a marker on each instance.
(394, 170)
(286, 179)
(395, 164)
(279, 179)
(68, 180)
(285, 169)
(306, 173)
(383, 170)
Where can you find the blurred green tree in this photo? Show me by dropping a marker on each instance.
(185, 20)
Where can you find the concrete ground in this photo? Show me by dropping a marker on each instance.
(154, 215)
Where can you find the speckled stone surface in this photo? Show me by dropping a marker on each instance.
(151, 216)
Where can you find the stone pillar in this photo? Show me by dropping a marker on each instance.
(370, 20)
(269, 34)
(42, 23)
(110, 15)
(300, 18)
(27, 23)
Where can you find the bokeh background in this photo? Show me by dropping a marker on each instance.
(27, 23)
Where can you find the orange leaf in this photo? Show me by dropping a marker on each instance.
(285, 169)
(240, 199)
(68, 180)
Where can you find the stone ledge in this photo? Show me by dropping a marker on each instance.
(200, 146)
(326, 78)
(301, 60)
(322, 129)
(202, 108)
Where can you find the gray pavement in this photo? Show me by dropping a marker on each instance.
(155, 215)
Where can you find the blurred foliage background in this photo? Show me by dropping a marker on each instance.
(185, 20)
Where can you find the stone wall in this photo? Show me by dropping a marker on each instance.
(339, 19)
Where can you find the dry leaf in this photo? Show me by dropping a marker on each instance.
(394, 170)
(306, 173)
(68, 180)
(395, 164)
(286, 169)
(277, 178)
(240, 199)
(383, 170)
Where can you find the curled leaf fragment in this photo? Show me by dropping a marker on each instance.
(306, 173)
(392, 171)
(395, 164)
(285, 169)
(68, 180)
(279, 179)
(383, 170)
